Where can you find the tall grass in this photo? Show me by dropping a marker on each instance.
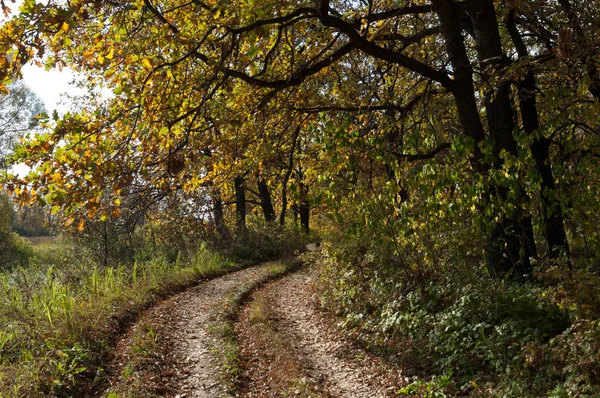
(60, 314)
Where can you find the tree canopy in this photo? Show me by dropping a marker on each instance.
(407, 117)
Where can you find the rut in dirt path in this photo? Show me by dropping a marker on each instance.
(185, 319)
(332, 364)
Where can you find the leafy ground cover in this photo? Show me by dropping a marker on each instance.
(269, 363)
(469, 334)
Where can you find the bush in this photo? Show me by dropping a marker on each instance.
(493, 336)
(266, 241)
(14, 251)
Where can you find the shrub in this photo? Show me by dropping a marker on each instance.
(266, 241)
(493, 336)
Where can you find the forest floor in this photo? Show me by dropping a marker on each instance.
(284, 346)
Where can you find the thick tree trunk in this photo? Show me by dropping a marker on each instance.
(464, 89)
(552, 216)
(554, 225)
(511, 242)
(265, 200)
(240, 204)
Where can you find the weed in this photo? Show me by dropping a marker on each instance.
(144, 340)
(128, 372)
(258, 310)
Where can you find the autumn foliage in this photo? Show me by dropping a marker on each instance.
(446, 135)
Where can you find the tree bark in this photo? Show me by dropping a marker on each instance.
(265, 200)
(218, 217)
(286, 178)
(554, 227)
(240, 204)
(510, 244)
(304, 208)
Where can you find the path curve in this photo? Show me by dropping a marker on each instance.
(338, 368)
(184, 320)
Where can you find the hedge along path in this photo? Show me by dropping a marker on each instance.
(183, 365)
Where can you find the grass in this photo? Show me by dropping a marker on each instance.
(60, 315)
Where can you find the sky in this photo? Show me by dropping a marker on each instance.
(48, 85)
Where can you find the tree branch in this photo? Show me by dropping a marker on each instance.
(421, 156)
(301, 13)
(384, 54)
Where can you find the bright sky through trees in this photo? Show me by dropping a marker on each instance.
(48, 85)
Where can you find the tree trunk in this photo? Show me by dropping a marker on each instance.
(240, 204)
(265, 201)
(510, 244)
(554, 226)
(284, 202)
(286, 178)
(552, 216)
(218, 217)
(304, 208)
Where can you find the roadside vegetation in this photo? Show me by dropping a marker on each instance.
(61, 312)
(457, 330)
(64, 301)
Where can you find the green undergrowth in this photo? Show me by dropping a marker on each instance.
(223, 329)
(460, 332)
(61, 313)
(266, 241)
(14, 250)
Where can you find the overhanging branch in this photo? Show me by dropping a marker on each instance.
(421, 156)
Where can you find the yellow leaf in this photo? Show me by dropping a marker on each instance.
(146, 63)
(81, 226)
(111, 54)
(100, 58)
(118, 201)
